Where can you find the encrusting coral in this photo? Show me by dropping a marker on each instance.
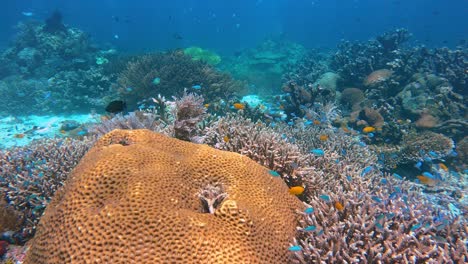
(138, 197)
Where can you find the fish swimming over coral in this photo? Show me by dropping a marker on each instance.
(116, 106)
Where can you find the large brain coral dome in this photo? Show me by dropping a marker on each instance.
(141, 197)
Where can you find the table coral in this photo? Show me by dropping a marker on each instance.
(136, 197)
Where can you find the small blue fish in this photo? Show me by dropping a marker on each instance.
(416, 226)
(349, 178)
(433, 154)
(362, 144)
(383, 181)
(290, 123)
(309, 210)
(397, 176)
(371, 135)
(325, 197)
(366, 170)
(129, 89)
(428, 175)
(295, 248)
(82, 133)
(274, 173)
(427, 159)
(156, 81)
(379, 226)
(308, 123)
(393, 195)
(418, 165)
(47, 95)
(310, 228)
(376, 199)
(318, 152)
(196, 87)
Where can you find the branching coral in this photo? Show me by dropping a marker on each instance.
(385, 226)
(32, 174)
(169, 74)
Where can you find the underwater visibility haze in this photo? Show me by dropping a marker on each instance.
(233, 131)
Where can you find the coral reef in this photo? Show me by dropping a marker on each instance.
(264, 65)
(32, 174)
(415, 147)
(51, 69)
(137, 191)
(180, 118)
(169, 74)
(307, 69)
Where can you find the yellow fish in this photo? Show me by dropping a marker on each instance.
(206, 105)
(316, 122)
(368, 129)
(296, 190)
(238, 106)
(443, 167)
(323, 137)
(226, 139)
(339, 206)
(426, 180)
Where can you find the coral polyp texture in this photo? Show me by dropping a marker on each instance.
(141, 197)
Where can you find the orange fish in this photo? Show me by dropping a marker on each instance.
(426, 180)
(316, 122)
(19, 135)
(345, 129)
(206, 105)
(239, 106)
(443, 167)
(339, 206)
(323, 137)
(226, 139)
(63, 131)
(368, 129)
(296, 190)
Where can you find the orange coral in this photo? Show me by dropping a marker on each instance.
(377, 76)
(141, 197)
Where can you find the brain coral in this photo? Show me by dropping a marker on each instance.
(141, 197)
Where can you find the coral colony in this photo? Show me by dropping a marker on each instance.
(359, 156)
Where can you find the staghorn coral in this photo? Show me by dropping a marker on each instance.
(32, 174)
(176, 72)
(379, 223)
(257, 141)
(138, 202)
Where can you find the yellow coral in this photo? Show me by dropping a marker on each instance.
(141, 197)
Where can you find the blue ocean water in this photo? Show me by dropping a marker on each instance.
(227, 26)
(357, 106)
